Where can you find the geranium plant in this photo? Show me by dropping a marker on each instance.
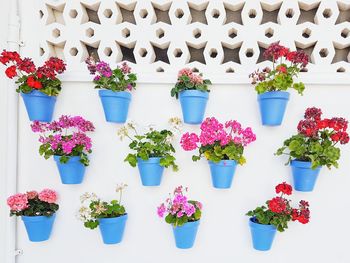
(65, 137)
(43, 79)
(286, 66)
(316, 140)
(219, 141)
(119, 79)
(33, 203)
(278, 210)
(152, 143)
(178, 210)
(189, 80)
(93, 208)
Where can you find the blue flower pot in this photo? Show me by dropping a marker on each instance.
(115, 105)
(262, 235)
(39, 106)
(151, 171)
(272, 107)
(222, 173)
(71, 172)
(112, 229)
(193, 104)
(304, 177)
(38, 227)
(185, 235)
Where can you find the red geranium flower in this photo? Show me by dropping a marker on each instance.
(11, 72)
(277, 205)
(284, 188)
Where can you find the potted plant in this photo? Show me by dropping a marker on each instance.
(222, 145)
(67, 142)
(38, 87)
(109, 216)
(152, 151)
(115, 87)
(314, 146)
(193, 92)
(278, 212)
(272, 84)
(37, 210)
(184, 215)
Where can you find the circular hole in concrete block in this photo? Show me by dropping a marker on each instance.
(197, 33)
(108, 51)
(232, 33)
(341, 69)
(195, 70)
(249, 53)
(213, 53)
(269, 32)
(323, 52)
(126, 32)
(143, 52)
(41, 51)
(41, 14)
(56, 33)
(304, 70)
(108, 13)
(306, 33)
(230, 70)
(160, 69)
(327, 13)
(73, 51)
(143, 13)
(215, 13)
(289, 13)
(252, 13)
(179, 13)
(73, 13)
(177, 53)
(160, 33)
(90, 32)
(345, 33)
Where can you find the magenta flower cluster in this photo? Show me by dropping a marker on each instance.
(20, 202)
(65, 135)
(178, 205)
(212, 132)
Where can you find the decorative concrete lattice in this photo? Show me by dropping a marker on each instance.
(220, 37)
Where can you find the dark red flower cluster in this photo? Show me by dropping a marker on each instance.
(56, 65)
(278, 205)
(284, 188)
(49, 70)
(302, 214)
(313, 125)
(9, 56)
(276, 51)
(33, 83)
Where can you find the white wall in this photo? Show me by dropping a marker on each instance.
(223, 234)
(3, 119)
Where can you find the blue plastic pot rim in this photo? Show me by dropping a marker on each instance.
(224, 163)
(260, 226)
(71, 158)
(37, 218)
(150, 160)
(188, 224)
(194, 93)
(112, 220)
(36, 93)
(117, 94)
(282, 95)
(303, 164)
